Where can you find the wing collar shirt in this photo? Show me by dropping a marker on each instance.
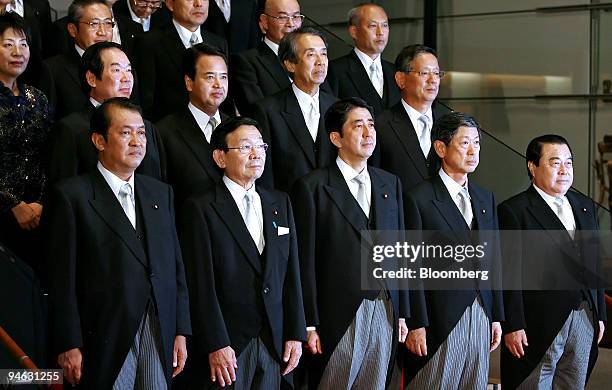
(273, 46)
(238, 192)
(348, 173)
(305, 101)
(567, 208)
(185, 34)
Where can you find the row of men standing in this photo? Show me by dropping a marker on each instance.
(418, 77)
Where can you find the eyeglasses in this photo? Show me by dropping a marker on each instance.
(247, 148)
(149, 4)
(438, 74)
(556, 163)
(284, 19)
(95, 24)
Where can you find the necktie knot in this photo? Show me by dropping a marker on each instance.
(359, 179)
(126, 198)
(194, 39)
(126, 190)
(465, 206)
(559, 201)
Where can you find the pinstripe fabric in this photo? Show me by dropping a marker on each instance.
(564, 365)
(462, 361)
(257, 369)
(361, 358)
(142, 368)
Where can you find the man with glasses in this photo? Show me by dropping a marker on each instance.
(404, 130)
(551, 337)
(363, 72)
(89, 21)
(149, 14)
(240, 248)
(257, 73)
(158, 57)
(234, 20)
(186, 134)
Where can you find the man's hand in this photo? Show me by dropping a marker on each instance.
(27, 215)
(292, 354)
(496, 332)
(179, 355)
(515, 341)
(72, 363)
(602, 328)
(403, 330)
(416, 341)
(314, 342)
(223, 366)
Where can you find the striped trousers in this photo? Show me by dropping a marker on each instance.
(142, 368)
(462, 361)
(565, 363)
(361, 358)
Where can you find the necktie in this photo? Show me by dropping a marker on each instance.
(425, 138)
(377, 78)
(225, 8)
(126, 197)
(565, 219)
(362, 198)
(465, 206)
(194, 39)
(252, 223)
(312, 121)
(210, 127)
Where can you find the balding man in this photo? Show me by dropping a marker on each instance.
(363, 72)
(257, 73)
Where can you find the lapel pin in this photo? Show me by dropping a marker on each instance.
(484, 211)
(584, 210)
(155, 206)
(275, 212)
(385, 196)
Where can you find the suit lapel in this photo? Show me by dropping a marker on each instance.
(171, 41)
(108, 208)
(324, 145)
(379, 209)
(404, 131)
(194, 139)
(582, 216)
(297, 125)
(391, 93)
(228, 211)
(481, 208)
(72, 67)
(361, 80)
(269, 209)
(272, 65)
(148, 203)
(345, 201)
(448, 209)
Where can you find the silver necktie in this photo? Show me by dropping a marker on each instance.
(425, 138)
(194, 39)
(126, 197)
(376, 78)
(252, 223)
(362, 198)
(210, 127)
(312, 121)
(563, 217)
(466, 206)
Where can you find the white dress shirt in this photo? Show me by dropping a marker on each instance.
(367, 62)
(79, 50)
(568, 222)
(349, 174)
(273, 46)
(305, 101)
(115, 182)
(185, 34)
(144, 22)
(203, 118)
(17, 7)
(414, 116)
(453, 187)
(238, 192)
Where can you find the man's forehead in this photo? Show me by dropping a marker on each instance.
(550, 150)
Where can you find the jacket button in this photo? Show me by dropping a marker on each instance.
(266, 290)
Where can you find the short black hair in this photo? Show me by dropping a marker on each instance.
(92, 61)
(409, 53)
(101, 120)
(534, 148)
(336, 114)
(75, 11)
(444, 130)
(287, 48)
(192, 54)
(17, 23)
(218, 139)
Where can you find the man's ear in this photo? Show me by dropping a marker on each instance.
(352, 30)
(263, 24)
(439, 148)
(400, 79)
(219, 157)
(98, 141)
(188, 83)
(72, 30)
(531, 167)
(290, 66)
(170, 5)
(91, 79)
(335, 137)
